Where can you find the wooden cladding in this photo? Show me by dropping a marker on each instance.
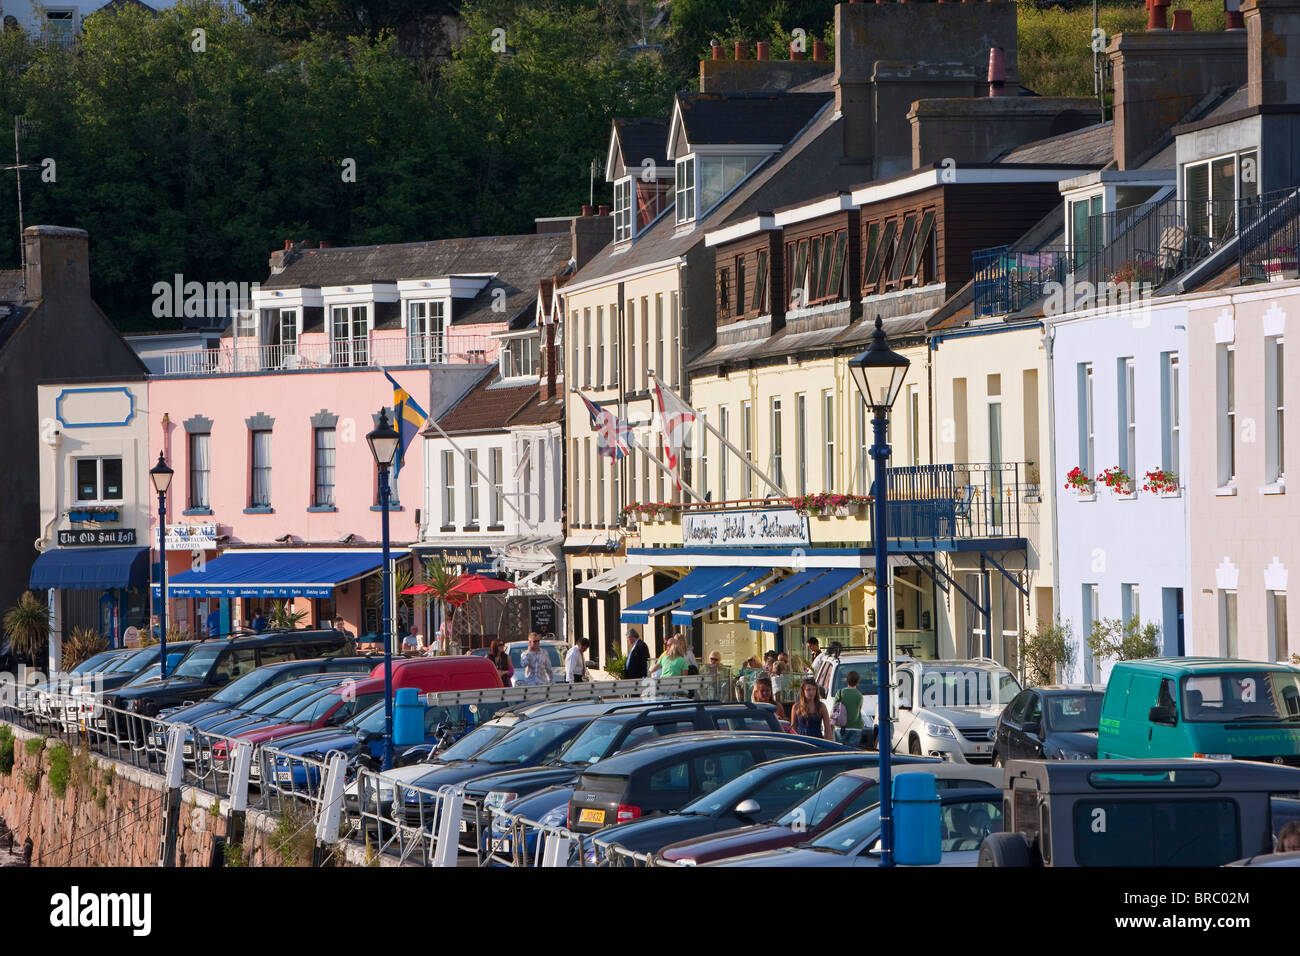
(816, 266)
(743, 282)
(899, 251)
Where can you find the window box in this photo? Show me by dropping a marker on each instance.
(1282, 268)
(91, 513)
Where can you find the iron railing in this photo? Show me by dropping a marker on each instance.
(968, 500)
(451, 349)
(1007, 281)
(1270, 243)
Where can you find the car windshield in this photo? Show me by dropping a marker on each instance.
(370, 721)
(727, 795)
(245, 686)
(1073, 713)
(967, 687)
(256, 703)
(594, 742)
(132, 663)
(477, 739)
(866, 679)
(313, 708)
(1242, 696)
(843, 837)
(553, 652)
(199, 661)
(290, 700)
(812, 811)
(531, 743)
(155, 672)
(102, 662)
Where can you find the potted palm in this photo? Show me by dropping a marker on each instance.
(27, 626)
(440, 578)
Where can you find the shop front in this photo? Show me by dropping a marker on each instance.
(93, 584)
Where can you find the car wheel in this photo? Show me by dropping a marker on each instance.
(914, 745)
(1005, 849)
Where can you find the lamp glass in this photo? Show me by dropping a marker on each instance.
(161, 475)
(383, 441)
(879, 372)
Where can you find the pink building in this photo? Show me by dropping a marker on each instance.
(275, 494)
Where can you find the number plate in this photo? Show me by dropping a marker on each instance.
(284, 776)
(501, 845)
(188, 750)
(160, 740)
(464, 826)
(983, 748)
(591, 816)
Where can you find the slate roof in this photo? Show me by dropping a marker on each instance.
(1091, 146)
(740, 118)
(640, 139)
(519, 262)
(487, 406)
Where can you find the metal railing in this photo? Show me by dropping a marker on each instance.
(449, 349)
(964, 500)
(1270, 244)
(1007, 281)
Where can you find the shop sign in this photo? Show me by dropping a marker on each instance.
(189, 537)
(745, 529)
(80, 539)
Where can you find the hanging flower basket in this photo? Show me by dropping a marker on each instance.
(94, 514)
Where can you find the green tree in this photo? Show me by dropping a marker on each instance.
(440, 578)
(1123, 640)
(1048, 652)
(27, 625)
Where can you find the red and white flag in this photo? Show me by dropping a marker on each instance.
(676, 420)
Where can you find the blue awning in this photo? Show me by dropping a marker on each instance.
(685, 614)
(779, 590)
(91, 569)
(696, 584)
(278, 574)
(806, 599)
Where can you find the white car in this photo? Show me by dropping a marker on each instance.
(832, 677)
(950, 709)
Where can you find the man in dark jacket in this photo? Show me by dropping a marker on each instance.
(638, 657)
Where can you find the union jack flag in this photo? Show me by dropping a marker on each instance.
(611, 431)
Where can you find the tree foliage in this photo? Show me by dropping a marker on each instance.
(1048, 652)
(1129, 640)
(27, 625)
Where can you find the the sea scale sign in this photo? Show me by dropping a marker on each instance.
(740, 529)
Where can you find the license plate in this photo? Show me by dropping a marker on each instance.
(983, 748)
(501, 845)
(284, 776)
(464, 826)
(253, 771)
(160, 740)
(591, 816)
(188, 750)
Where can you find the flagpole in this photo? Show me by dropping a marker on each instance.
(662, 467)
(722, 438)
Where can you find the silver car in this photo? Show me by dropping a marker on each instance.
(950, 709)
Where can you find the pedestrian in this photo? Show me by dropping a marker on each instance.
(214, 621)
(500, 658)
(814, 652)
(410, 645)
(575, 664)
(155, 629)
(714, 666)
(847, 715)
(536, 663)
(763, 695)
(692, 665)
(778, 672)
(638, 656)
(672, 663)
(809, 716)
(259, 621)
(1288, 838)
(349, 645)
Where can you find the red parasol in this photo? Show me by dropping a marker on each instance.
(418, 589)
(479, 584)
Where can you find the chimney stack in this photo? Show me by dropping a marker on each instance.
(997, 71)
(590, 233)
(602, 210)
(57, 262)
(588, 211)
(1272, 52)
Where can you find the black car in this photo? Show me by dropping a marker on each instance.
(623, 726)
(1054, 722)
(666, 774)
(758, 795)
(211, 665)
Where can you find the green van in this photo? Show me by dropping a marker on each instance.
(1201, 707)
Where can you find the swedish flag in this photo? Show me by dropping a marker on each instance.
(410, 419)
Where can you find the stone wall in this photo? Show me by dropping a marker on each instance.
(112, 814)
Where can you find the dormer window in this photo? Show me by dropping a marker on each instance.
(816, 268)
(623, 209)
(350, 331)
(245, 324)
(686, 189)
(425, 332)
(519, 357)
(1215, 188)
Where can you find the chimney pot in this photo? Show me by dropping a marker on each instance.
(762, 50)
(1182, 19)
(288, 244)
(602, 210)
(997, 65)
(740, 50)
(1157, 16)
(819, 51)
(1234, 20)
(324, 244)
(795, 54)
(588, 210)
(716, 47)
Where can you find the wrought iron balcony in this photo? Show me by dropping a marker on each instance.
(452, 349)
(968, 500)
(1007, 281)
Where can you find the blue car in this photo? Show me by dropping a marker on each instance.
(549, 807)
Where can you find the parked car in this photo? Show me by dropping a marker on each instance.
(211, 665)
(832, 677)
(1201, 707)
(1147, 813)
(281, 699)
(849, 793)
(665, 774)
(950, 709)
(966, 818)
(130, 668)
(756, 796)
(37, 697)
(1055, 722)
(238, 691)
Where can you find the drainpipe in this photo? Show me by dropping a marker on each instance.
(1049, 341)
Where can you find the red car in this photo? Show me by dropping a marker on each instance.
(335, 707)
(847, 794)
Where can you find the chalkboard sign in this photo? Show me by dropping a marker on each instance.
(541, 614)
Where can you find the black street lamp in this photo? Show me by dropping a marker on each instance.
(383, 443)
(878, 373)
(161, 476)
